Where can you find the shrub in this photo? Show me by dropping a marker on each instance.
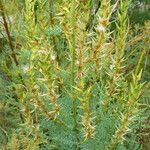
(70, 87)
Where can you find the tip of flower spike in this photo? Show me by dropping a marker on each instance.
(53, 55)
(100, 28)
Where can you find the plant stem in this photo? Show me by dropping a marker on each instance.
(73, 47)
(8, 34)
(14, 57)
(73, 41)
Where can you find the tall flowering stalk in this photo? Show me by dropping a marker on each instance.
(131, 107)
(115, 72)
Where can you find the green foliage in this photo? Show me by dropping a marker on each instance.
(65, 76)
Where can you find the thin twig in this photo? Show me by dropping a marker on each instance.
(8, 34)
